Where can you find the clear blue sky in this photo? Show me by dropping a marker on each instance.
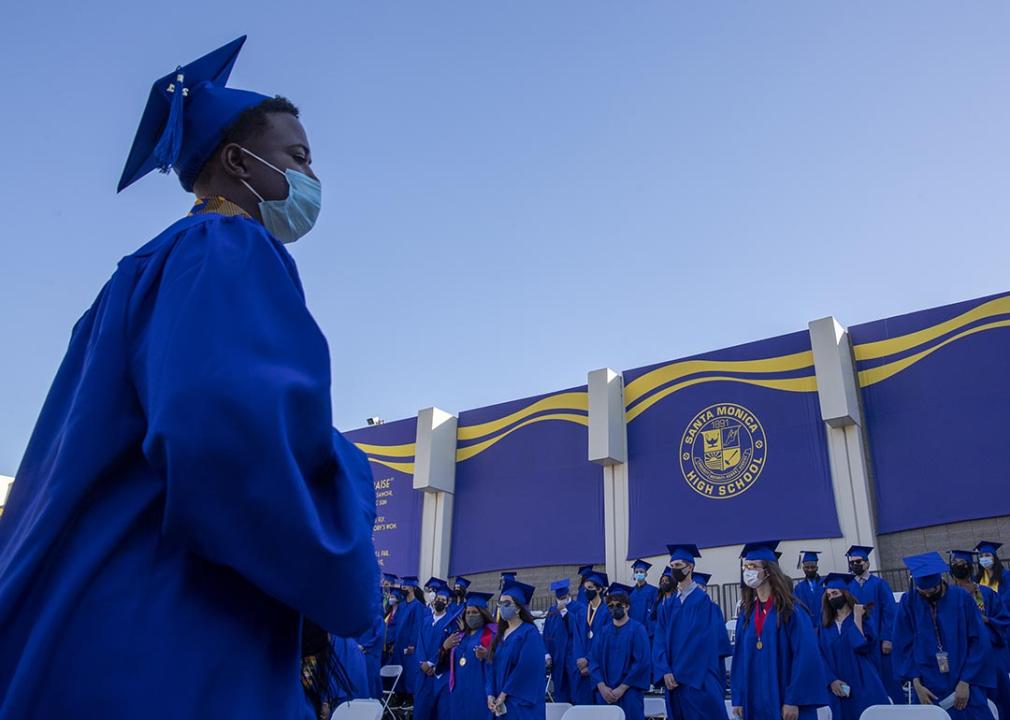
(518, 192)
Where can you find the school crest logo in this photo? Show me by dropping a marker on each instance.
(723, 451)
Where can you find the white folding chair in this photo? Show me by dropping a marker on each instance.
(655, 707)
(594, 712)
(390, 671)
(824, 713)
(358, 710)
(556, 710)
(904, 712)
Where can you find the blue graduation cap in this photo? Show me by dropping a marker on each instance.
(561, 587)
(186, 116)
(408, 581)
(641, 565)
(967, 555)
(598, 578)
(808, 556)
(397, 593)
(462, 582)
(764, 550)
(838, 581)
(859, 551)
(701, 578)
(617, 589)
(390, 578)
(987, 546)
(687, 553)
(926, 569)
(434, 583)
(520, 592)
(667, 572)
(585, 570)
(478, 599)
(509, 575)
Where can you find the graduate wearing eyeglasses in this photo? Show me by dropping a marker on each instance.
(620, 660)
(588, 621)
(515, 677)
(690, 645)
(777, 669)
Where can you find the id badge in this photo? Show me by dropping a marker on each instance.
(943, 661)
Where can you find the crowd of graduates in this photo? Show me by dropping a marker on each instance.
(840, 641)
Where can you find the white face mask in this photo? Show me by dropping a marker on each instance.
(563, 603)
(430, 597)
(753, 578)
(985, 561)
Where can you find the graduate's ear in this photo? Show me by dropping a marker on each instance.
(234, 161)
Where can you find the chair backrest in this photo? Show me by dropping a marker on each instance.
(824, 713)
(904, 712)
(555, 711)
(358, 710)
(594, 712)
(390, 671)
(655, 707)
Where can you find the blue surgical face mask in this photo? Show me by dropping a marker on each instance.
(507, 612)
(640, 576)
(291, 218)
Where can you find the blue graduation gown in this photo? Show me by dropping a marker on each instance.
(876, 590)
(998, 626)
(391, 636)
(810, 594)
(1003, 588)
(371, 642)
(621, 656)
(643, 599)
(691, 644)
(412, 614)
(846, 655)
(183, 500)
(584, 689)
(468, 695)
(787, 670)
(351, 681)
(963, 636)
(431, 695)
(517, 669)
(558, 641)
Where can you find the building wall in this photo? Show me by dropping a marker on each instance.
(892, 547)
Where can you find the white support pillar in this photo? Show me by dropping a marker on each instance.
(608, 447)
(838, 393)
(435, 475)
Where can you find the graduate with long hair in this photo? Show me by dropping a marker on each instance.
(516, 677)
(991, 572)
(466, 659)
(777, 669)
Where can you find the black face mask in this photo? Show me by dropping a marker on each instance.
(617, 612)
(678, 574)
(810, 574)
(665, 585)
(837, 602)
(439, 606)
(932, 595)
(590, 594)
(856, 568)
(961, 572)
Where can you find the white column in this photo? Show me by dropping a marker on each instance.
(435, 475)
(838, 393)
(608, 447)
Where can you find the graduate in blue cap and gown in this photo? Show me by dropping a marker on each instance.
(620, 661)
(667, 587)
(459, 588)
(996, 619)
(940, 643)
(184, 501)
(584, 572)
(393, 621)
(777, 669)
(991, 572)
(643, 596)
(558, 641)
(810, 589)
(591, 617)
(875, 592)
(845, 639)
(431, 697)
(413, 613)
(516, 678)
(465, 659)
(690, 646)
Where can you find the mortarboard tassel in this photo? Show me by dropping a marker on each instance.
(166, 152)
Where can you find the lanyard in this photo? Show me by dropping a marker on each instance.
(936, 625)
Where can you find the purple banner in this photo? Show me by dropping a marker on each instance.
(526, 494)
(397, 532)
(728, 447)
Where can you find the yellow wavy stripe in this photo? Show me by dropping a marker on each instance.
(468, 452)
(891, 346)
(877, 374)
(668, 373)
(406, 450)
(401, 467)
(561, 401)
(801, 384)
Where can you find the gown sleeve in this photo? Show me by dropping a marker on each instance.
(527, 680)
(806, 681)
(638, 672)
(903, 652)
(736, 677)
(233, 376)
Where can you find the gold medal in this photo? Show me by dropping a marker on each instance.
(462, 661)
(760, 645)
